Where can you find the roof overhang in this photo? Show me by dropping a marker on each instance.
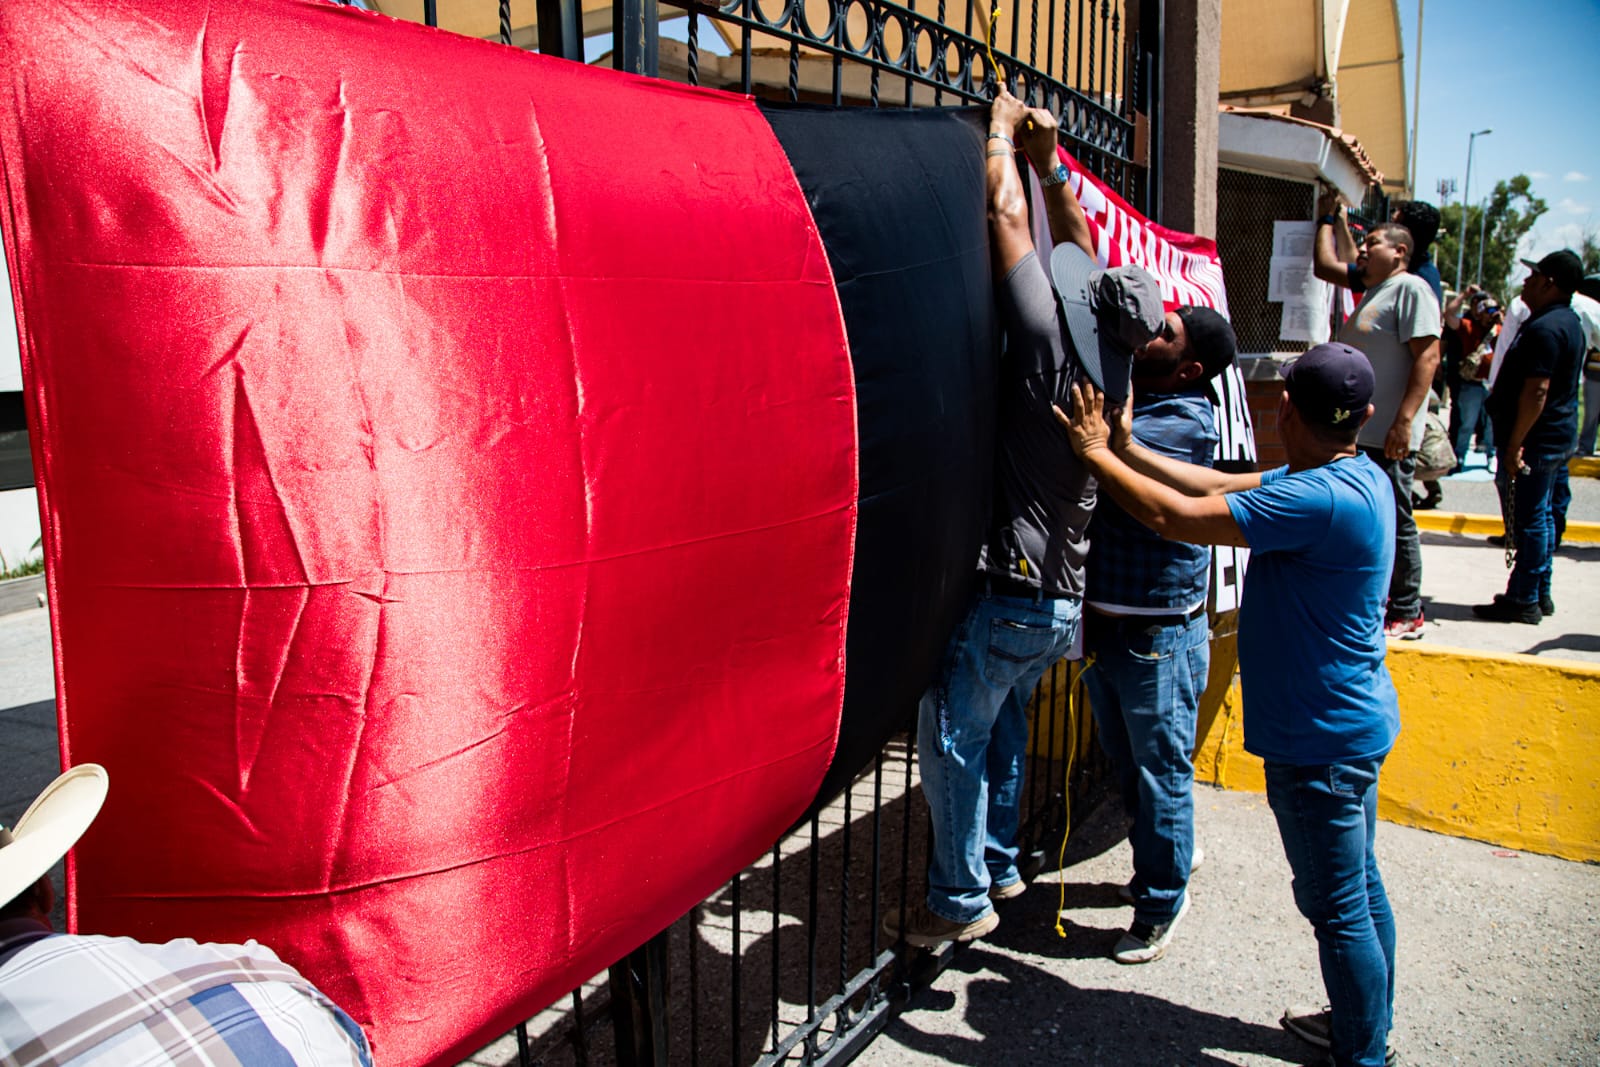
(1276, 144)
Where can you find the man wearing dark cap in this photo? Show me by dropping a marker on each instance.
(1147, 635)
(1319, 707)
(972, 727)
(1534, 406)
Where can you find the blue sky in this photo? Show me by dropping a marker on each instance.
(1531, 73)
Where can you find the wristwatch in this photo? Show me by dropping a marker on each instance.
(1328, 220)
(1055, 177)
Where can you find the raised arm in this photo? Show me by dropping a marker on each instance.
(1007, 203)
(1453, 306)
(1335, 248)
(1039, 135)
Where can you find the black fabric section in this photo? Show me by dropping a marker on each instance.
(899, 199)
(16, 464)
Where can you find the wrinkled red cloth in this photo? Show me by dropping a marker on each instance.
(448, 469)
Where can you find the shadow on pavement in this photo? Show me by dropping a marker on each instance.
(1569, 642)
(1015, 1007)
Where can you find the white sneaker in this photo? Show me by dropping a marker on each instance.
(1144, 943)
(1125, 892)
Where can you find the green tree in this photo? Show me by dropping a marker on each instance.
(1511, 212)
(1589, 252)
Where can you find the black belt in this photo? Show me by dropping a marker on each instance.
(1004, 585)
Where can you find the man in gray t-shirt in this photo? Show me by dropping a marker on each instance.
(1397, 326)
(972, 725)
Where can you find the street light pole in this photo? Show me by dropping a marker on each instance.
(1483, 220)
(1466, 198)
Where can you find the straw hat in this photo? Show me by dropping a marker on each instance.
(51, 825)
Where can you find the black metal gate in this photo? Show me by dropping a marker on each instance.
(787, 962)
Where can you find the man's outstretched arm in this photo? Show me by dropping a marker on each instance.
(1190, 479)
(1175, 515)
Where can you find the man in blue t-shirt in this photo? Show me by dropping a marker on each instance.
(1319, 707)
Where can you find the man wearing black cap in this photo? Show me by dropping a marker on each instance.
(972, 727)
(1319, 707)
(1534, 406)
(1147, 635)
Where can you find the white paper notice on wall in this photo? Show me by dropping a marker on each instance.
(1293, 240)
(1292, 282)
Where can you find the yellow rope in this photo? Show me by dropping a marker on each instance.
(1061, 860)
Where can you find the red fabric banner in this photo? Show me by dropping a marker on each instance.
(448, 466)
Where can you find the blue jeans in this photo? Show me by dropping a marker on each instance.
(972, 737)
(1532, 525)
(1405, 581)
(1327, 816)
(1467, 417)
(1591, 417)
(1144, 684)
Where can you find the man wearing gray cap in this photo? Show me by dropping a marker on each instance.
(1319, 707)
(972, 728)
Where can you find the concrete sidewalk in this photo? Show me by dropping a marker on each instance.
(1498, 960)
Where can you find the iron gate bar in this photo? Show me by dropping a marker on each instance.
(1084, 120)
(560, 29)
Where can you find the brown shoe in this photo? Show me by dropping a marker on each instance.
(924, 929)
(1008, 892)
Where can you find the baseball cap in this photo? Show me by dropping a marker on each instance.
(1211, 337)
(1590, 286)
(1109, 313)
(1331, 384)
(1563, 267)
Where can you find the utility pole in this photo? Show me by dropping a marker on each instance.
(1466, 198)
(1483, 220)
(1416, 109)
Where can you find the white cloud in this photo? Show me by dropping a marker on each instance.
(1572, 207)
(1574, 176)
(1538, 175)
(1543, 240)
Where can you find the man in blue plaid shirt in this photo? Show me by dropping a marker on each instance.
(1145, 628)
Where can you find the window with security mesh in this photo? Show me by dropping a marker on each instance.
(1247, 206)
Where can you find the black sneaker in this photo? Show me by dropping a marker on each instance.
(1502, 610)
(1315, 1027)
(1497, 540)
(1547, 607)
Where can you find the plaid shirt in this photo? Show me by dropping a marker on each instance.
(92, 1001)
(1129, 565)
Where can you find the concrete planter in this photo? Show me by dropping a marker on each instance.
(21, 594)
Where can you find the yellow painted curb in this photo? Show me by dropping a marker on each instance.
(1455, 522)
(1497, 748)
(1584, 466)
